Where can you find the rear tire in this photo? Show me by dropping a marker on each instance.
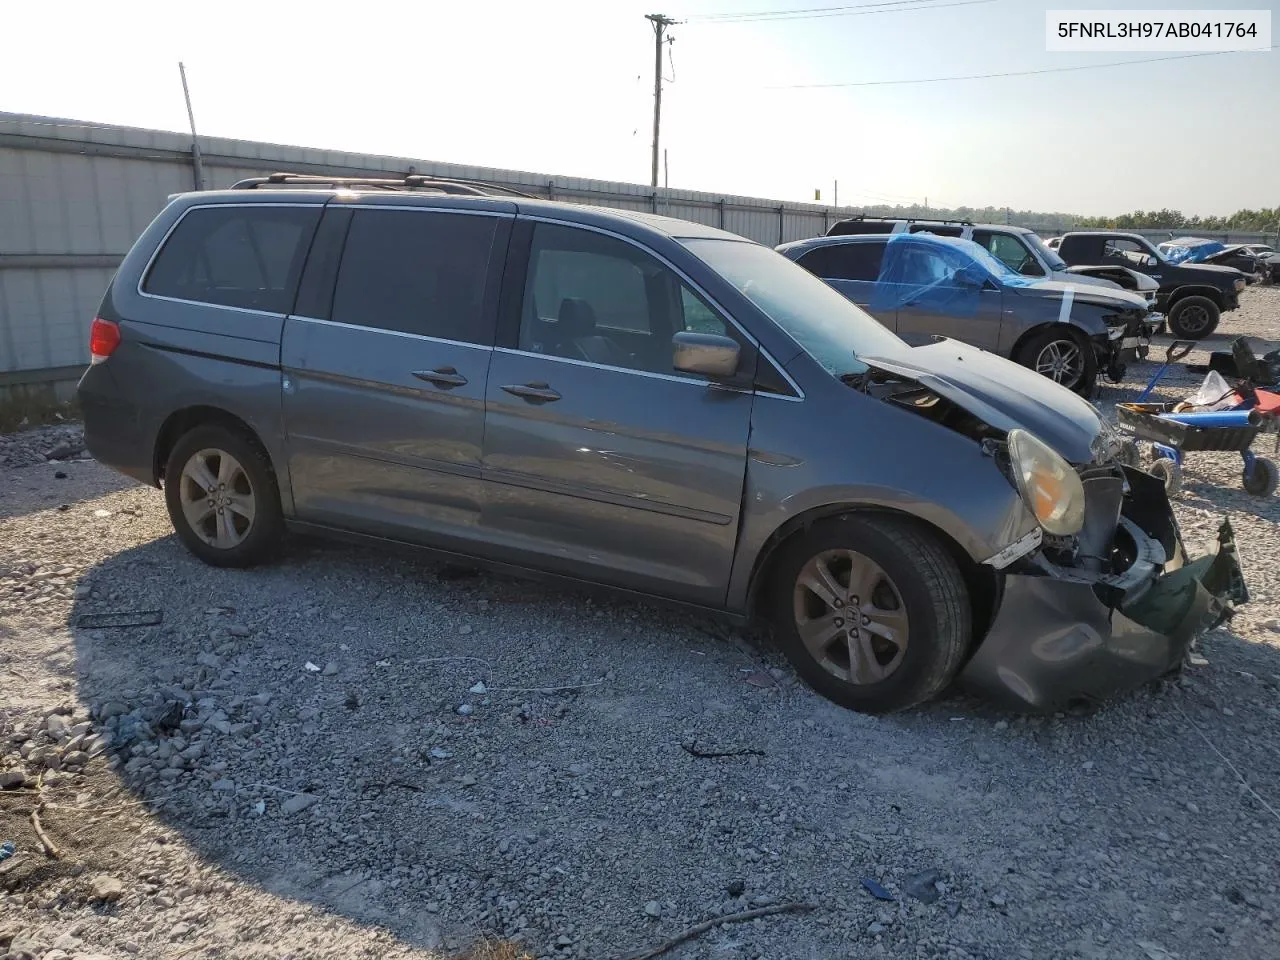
(1262, 480)
(1193, 318)
(901, 642)
(1063, 356)
(223, 498)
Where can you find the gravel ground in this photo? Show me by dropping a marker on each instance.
(355, 754)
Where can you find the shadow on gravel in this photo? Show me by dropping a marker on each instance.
(1230, 496)
(75, 485)
(371, 732)
(449, 755)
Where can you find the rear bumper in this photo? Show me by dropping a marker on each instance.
(112, 432)
(1055, 641)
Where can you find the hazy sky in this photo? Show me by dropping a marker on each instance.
(565, 87)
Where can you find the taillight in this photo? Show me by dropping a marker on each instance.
(104, 337)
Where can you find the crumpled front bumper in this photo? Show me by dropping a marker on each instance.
(1133, 345)
(1054, 641)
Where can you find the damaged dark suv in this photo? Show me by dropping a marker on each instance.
(643, 403)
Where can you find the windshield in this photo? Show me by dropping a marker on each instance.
(1047, 253)
(827, 326)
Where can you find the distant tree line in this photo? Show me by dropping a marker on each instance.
(1253, 221)
(1242, 220)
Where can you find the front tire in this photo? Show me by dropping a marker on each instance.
(222, 497)
(1169, 472)
(1063, 357)
(872, 611)
(1193, 318)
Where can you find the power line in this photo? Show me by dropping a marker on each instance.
(811, 13)
(1014, 73)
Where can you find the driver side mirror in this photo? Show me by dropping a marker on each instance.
(706, 354)
(1150, 261)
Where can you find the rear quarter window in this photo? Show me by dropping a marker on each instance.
(248, 257)
(845, 261)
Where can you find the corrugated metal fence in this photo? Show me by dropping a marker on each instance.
(74, 196)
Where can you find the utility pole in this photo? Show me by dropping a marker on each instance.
(660, 24)
(835, 193)
(196, 166)
(666, 171)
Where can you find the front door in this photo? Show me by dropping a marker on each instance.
(384, 392)
(1011, 251)
(601, 461)
(935, 301)
(1124, 252)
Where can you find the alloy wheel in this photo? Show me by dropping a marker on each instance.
(218, 500)
(1061, 361)
(850, 616)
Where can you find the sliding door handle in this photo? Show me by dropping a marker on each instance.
(443, 377)
(537, 392)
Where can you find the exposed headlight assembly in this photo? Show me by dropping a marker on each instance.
(1048, 484)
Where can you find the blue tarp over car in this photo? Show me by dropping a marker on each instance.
(1190, 249)
(940, 274)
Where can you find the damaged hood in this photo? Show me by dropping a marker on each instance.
(1083, 291)
(1001, 393)
(1077, 274)
(1216, 269)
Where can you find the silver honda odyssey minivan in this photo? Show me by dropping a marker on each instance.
(646, 404)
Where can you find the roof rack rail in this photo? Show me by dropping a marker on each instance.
(863, 216)
(412, 181)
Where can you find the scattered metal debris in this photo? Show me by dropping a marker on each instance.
(877, 891)
(120, 619)
(695, 751)
(708, 925)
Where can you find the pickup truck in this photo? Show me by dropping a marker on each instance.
(1193, 295)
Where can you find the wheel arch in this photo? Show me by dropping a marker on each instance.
(983, 582)
(1193, 290)
(1055, 326)
(186, 419)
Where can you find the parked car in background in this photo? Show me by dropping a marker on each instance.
(1020, 249)
(1268, 260)
(643, 403)
(1197, 250)
(1192, 295)
(921, 286)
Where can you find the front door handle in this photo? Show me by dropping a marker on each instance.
(537, 392)
(443, 377)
